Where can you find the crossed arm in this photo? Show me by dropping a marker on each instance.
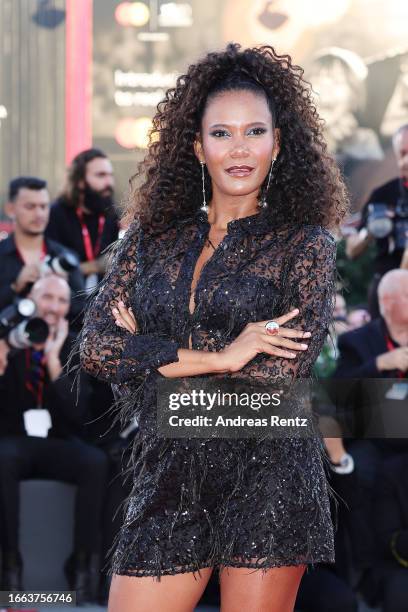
(115, 353)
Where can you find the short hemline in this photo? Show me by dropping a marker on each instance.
(139, 573)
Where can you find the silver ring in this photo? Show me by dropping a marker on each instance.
(272, 328)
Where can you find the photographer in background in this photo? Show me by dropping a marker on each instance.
(375, 351)
(24, 253)
(41, 426)
(385, 221)
(83, 218)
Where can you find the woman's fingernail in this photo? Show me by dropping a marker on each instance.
(115, 310)
(307, 334)
(304, 346)
(295, 310)
(292, 355)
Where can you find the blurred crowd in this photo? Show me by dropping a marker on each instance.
(52, 260)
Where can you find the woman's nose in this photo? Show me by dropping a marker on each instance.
(240, 149)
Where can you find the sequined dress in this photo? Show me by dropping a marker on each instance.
(214, 502)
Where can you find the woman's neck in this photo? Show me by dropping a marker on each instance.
(226, 209)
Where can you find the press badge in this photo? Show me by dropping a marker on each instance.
(37, 422)
(398, 391)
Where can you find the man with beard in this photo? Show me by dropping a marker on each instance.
(83, 218)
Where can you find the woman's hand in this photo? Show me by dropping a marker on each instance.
(255, 339)
(125, 318)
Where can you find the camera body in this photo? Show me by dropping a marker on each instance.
(60, 264)
(384, 221)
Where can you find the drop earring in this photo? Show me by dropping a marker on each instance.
(204, 207)
(263, 203)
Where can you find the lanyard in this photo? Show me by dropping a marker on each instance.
(90, 252)
(390, 347)
(43, 252)
(35, 382)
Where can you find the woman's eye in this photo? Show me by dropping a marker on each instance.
(259, 130)
(220, 133)
(217, 132)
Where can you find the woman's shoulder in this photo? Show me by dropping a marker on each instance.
(309, 235)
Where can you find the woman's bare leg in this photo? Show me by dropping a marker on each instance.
(257, 591)
(176, 593)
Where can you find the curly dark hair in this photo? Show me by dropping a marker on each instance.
(307, 186)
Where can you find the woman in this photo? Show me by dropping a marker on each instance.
(229, 231)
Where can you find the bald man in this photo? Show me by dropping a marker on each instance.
(41, 424)
(377, 350)
(380, 348)
(393, 301)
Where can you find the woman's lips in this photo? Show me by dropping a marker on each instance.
(240, 172)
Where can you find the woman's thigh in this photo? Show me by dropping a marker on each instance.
(273, 590)
(176, 593)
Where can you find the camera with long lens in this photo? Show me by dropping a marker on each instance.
(59, 264)
(383, 222)
(20, 327)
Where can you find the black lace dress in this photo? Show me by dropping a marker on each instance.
(214, 502)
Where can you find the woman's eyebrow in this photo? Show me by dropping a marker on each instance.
(213, 125)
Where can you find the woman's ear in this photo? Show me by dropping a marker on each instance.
(276, 143)
(198, 148)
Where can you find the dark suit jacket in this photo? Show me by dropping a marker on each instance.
(67, 414)
(11, 265)
(358, 351)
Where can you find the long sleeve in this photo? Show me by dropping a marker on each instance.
(77, 284)
(107, 351)
(65, 405)
(352, 363)
(11, 266)
(7, 296)
(310, 285)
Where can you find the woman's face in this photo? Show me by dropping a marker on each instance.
(237, 130)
